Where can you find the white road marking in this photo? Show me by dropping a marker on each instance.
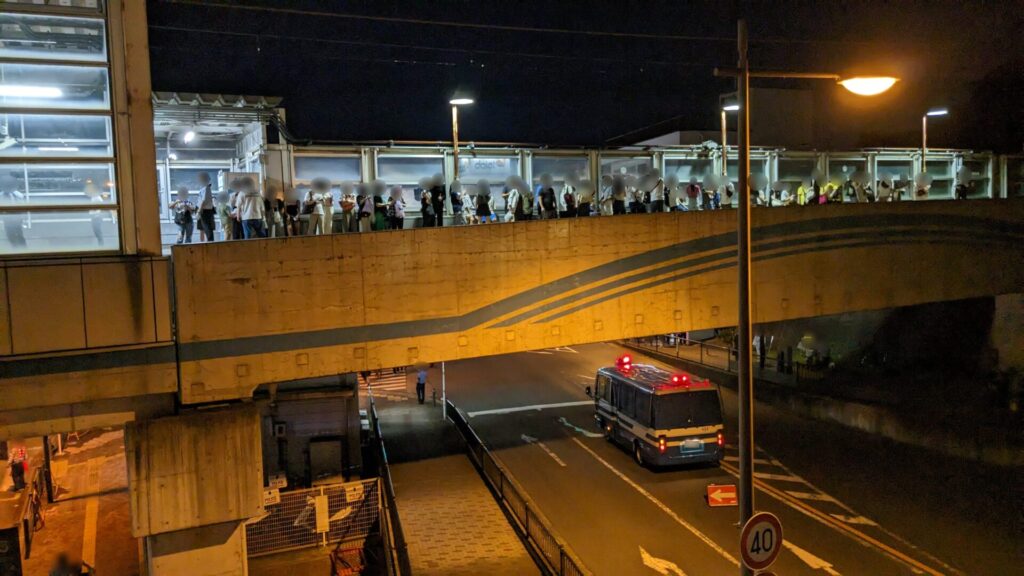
(544, 447)
(92, 508)
(586, 433)
(660, 565)
(760, 461)
(528, 408)
(589, 377)
(539, 352)
(661, 505)
(811, 560)
(854, 519)
(565, 349)
(782, 477)
(811, 496)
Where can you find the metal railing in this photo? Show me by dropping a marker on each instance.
(724, 358)
(555, 555)
(308, 517)
(396, 551)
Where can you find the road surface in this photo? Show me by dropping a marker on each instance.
(850, 503)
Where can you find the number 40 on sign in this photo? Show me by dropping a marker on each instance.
(760, 541)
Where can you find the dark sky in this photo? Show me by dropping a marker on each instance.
(587, 72)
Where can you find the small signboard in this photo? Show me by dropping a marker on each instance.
(323, 520)
(279, 480)
(271, 496)
(760, 540)
(721, 495)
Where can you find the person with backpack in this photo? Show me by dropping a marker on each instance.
(547, 198)
(184, 209)
(484, 208)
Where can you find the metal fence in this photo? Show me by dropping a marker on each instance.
(724, 358)
(308, 517)
(395, 550)
(555, 554)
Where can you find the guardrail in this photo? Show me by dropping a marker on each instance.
(396, 550)
(555, 554)
(724, 358)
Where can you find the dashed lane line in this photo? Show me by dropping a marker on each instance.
(661, 505)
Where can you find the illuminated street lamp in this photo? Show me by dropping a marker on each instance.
(861, 85)
(729, 105)
(924, 133)
(456, 102)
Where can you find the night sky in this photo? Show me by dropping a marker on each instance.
(602, 72)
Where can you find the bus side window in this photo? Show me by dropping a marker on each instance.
(601, 387)
(643, 407)
(628, 407)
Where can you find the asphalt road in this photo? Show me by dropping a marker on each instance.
(849, 503)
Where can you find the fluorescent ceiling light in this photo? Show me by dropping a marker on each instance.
(58, 149)
(189, 136)
(868, 85)
(19, 91)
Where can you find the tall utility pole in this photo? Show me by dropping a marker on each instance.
(455, 138)
(745, 380)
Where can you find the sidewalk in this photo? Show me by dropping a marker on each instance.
(91, 519)
(451, 521)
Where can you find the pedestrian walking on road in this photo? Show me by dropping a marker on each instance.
(421, 384)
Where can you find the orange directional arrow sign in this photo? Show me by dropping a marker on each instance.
(721, 495)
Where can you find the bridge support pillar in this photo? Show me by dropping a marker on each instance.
(194, 479)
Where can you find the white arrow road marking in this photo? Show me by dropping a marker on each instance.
(810, 559)
(660, 565)
(586, 433)
(564, 349)
(532, 440)
(662, 506)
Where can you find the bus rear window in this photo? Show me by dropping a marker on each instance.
(687, 409)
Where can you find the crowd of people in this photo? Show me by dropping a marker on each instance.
(363, 207)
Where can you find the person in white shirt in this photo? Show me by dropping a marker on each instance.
(314, 205)
(728, 193)
(250, 210)
(396, 209)
(348, 207)
(513, 201)
(604, 199)
(328, 200)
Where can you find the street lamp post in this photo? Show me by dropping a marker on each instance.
(455, 103)
(862, 85)
(924, 133)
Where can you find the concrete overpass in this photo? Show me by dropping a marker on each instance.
(91, 341)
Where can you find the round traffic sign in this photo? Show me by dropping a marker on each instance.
(760, 540)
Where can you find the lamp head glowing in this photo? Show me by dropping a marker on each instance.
(937, 112)
(868, 85)
(189, 136)
(18, 91)
(731, 107)
(460, 101)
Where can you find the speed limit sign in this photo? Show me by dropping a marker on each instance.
(760, 541)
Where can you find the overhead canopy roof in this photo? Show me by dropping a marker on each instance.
(209, 113)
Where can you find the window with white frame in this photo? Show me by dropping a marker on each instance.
(979, 175)
(561, 168)
(58, 186)
(407, 171)
(495, 170)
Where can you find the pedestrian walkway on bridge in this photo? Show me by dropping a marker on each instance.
(452, 523)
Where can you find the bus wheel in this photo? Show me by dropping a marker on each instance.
(606, 430)
(638, 454)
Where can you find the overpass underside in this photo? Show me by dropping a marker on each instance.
(264, 311)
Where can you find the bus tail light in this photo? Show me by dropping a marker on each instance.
(662, 444)
(721, 439)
